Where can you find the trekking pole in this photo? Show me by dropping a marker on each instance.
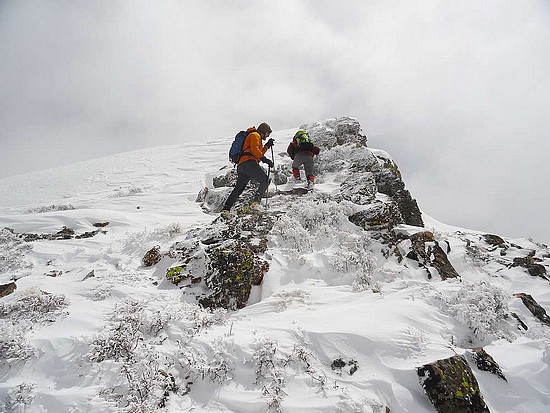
(267, 190)
(273, 160)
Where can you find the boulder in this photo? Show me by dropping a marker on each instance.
(534, 307)
(7, 289)
(152, 257)
(485, 362)
(451, 386)
(335, 132)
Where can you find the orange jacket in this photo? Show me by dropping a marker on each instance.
(253, 146)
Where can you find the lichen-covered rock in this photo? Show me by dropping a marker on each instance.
(451, 386)
(174, 274)
(7, 289)
(485, 362)
(152, 257)
(232, 270)
(534, 307)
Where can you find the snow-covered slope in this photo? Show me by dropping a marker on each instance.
(340, 323)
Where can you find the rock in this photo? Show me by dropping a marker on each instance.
(65, 233)
(7, 289)
(377, 216)
(101, 224)
(442, 263)
(389, 182)
(54, 273)
(227, 179)
(152, 257)
(485, 362)
(531, 264)
(350, 366)
(494, 240)
(534, 307)
(231, 271)
(174, 274)
(451, 386)
(91, 274)
(360, 188)
(337, 131)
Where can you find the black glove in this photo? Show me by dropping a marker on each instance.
(267, 161)
(269, 143)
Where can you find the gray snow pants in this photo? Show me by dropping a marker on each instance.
(249, 170)
(303, 158)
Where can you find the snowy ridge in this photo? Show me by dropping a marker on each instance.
(340, 323)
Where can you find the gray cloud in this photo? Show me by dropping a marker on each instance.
(456, 92)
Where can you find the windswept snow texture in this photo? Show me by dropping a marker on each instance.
(123, 340)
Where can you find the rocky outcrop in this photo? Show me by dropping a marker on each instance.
(152, 257)
(64, 233)
(485, 362)
(451, 386)
(336, 132)
(425, 249)
(7, 289)
(531, 264)
(218, 265)
(534, 307)
(389, 182)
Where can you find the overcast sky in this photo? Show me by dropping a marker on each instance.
(457, 92)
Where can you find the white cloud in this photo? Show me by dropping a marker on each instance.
(457, 92)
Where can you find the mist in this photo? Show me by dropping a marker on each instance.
(457, 93)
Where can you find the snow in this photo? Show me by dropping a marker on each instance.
(310, 309)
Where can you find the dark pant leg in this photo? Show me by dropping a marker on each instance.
(256, 173)
(242, 181)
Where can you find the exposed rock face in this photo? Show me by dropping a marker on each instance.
(64, 233)
(7, 289)
(534, 307)
(485, 362)
(227, 257)
(340, 131)
(451, 386)
(152, 257)
(389, 182)
(218, 265)
(532, 265)
(426, 250)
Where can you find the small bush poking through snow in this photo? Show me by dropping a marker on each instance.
(19, 398)
(50, 208)
(13, 252)
(307, 226)
(13, 344)
(137, 240)
(283, 299)
(126, 192)
(35, 306)
(482, 307)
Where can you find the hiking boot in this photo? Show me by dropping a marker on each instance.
(296, 179)
(310, 184)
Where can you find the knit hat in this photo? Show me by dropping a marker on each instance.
(264, 129)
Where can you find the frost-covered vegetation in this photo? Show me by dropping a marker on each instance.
(13, 252)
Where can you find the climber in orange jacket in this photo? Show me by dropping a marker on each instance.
(248, 167)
